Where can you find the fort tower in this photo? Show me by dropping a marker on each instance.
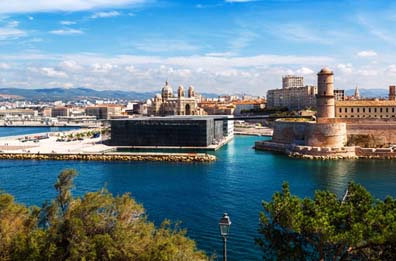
(325, 101)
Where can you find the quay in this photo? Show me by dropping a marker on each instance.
(110, 156)
(326, 153)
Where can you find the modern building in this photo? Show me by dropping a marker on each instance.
(292, 81)
(172, 131)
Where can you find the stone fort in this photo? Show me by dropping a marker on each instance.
(329, 136)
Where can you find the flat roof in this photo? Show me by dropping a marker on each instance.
(175, 117)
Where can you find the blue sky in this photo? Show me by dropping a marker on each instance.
(223, 46)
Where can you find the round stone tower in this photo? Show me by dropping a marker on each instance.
(325, 101)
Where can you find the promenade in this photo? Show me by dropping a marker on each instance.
(66, 146)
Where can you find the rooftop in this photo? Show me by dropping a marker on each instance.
(364, 103)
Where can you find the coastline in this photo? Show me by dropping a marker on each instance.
(326, 153)
(169, 157)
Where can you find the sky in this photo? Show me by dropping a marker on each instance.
(218, 46)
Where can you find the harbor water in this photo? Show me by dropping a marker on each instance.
(198, 194)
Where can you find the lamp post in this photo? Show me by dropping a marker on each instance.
(225, 223)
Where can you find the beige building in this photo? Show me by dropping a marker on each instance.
(103, 112)
(167, 103)
(292, 81)
(293, 98)
(366, 109)
(60, 112)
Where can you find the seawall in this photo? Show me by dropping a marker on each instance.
(325, 153)
(168, 157)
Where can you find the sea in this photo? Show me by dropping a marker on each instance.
(197, 195)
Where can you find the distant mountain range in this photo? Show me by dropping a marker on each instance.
(369, 93)
(72, 94)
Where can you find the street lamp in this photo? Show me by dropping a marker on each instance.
(225, 223)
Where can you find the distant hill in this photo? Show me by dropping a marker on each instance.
(369, 93)
(53, 94)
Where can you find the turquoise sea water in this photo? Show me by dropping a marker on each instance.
(16, 131)
(198, 194)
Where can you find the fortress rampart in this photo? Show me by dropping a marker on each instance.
(310, 133)
(330, 137)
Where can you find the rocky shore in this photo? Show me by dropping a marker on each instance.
(168, 157)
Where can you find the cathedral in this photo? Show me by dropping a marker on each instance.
(167, 103)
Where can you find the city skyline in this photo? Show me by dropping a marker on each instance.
(223, 46)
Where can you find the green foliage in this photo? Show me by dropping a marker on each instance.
(97, 226)
(358, 227)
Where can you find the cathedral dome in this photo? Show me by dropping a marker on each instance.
(167, 91)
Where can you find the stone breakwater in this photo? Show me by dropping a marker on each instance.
(326, 153)
(167, 157)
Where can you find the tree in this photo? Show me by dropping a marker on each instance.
(94, 226)
(358, 227)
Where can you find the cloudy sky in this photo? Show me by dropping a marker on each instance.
(221, 46)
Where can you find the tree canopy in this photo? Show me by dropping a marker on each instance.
(356, 227)
(94, 226)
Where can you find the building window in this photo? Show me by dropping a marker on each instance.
(345, 110)
(375, 110)
(386, 110)
(380, 109)
(358, 110)
(340, 110)
(364, 109)
(393, 109)
(351, 109)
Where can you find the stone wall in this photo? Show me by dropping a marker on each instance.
(370, 132)
(326, 135)
(310, 133)
(175, 157)
(289, 132)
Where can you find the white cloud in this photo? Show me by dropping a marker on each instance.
(345, 68)
(70, 65)
(299, 33)
(304, 71)
(162, 45)
(67, 22)
(5, 66)
(7, 33)
(51, 72)
(33, 6)
(105, 14)
(130, 68)
(368, 72)
(368, 53)
(391, 69)
(13, 24)
(102, 68)
(67, 31)
(31, 18)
